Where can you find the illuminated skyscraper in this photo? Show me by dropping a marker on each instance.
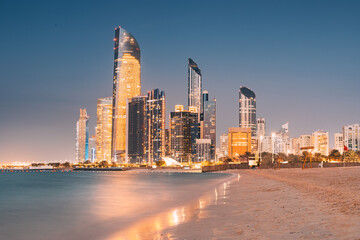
(155, 125)
(184, 130)
(209, 122)
(126, 84)
(247, 110)
(82, 137)
(194, 86)
(104, 129)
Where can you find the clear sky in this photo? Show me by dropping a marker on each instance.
(301, 58)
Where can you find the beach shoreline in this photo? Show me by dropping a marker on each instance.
(281, 204)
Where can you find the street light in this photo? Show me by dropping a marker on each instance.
(273, 146)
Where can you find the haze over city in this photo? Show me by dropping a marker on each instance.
(301, 60)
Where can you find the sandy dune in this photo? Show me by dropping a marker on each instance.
(281, 204)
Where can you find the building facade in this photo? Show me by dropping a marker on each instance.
(136, 121)
(155, 126)
(184, 130)
(104, 129)
(320, 141)
(339, 142)
(261, 127)
(194, 85)
(247, 110)
(352, 137)
(224, 145)
(209, 122)
(82, 137)
(126, 84)
(239, 141)
(305, 141)
(203, 150)
(92, 148)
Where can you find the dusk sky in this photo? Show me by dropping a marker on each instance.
(301, 58)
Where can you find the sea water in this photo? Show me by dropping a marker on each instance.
(91, 205)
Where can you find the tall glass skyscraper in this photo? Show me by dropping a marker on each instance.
(155, 125)
(194, 86)
(104, 129)
(247, 110)
(136, 131)
(126, 84)
(209, 122)
(82, 137)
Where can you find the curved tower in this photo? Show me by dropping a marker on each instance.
(126, 84)
(194, 86)
(247, 109)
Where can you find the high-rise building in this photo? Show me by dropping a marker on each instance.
(194, 86)
(126, 84)
(136, 121)
(155, 125)
(320, 140)
(82, 137)
(224, 145)
(104, 129)
(239, 141)
(339, 142)
(261, 127)
(247, 110)
(305, 141)
(209, 122)
(295, 146)
(167, 143)
(266, 144)
(203, 150)
(184, 130)
(92, 148)
(352, 137)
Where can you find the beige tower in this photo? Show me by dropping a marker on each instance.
(126, 84)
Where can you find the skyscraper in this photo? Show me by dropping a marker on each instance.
(247, 110)
(209, 122)
(261, 127)
(104, 129)
(184, 130)
(126, 84)
(194, 86)
(155, 125)
(92, 148)
(82, 137)
(136, 122)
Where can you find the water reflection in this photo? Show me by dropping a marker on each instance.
(153, 226)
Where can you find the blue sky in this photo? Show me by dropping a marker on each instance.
(300, 57)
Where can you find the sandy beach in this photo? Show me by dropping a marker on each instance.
(280, 204)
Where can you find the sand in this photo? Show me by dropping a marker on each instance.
(279, 204)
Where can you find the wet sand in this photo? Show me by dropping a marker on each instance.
(279, 204)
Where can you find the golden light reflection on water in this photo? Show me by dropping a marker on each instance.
(152, 227)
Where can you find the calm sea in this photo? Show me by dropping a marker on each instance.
(94, 205)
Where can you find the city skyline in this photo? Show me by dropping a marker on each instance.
(280, 71)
